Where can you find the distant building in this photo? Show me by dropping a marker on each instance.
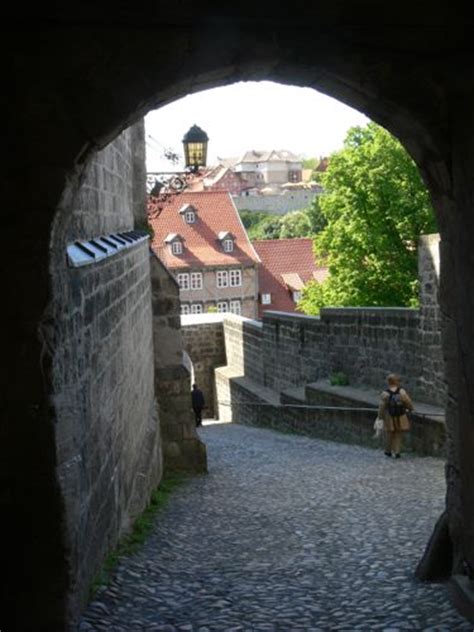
(266, 169)
(286, 266)
(199, 236)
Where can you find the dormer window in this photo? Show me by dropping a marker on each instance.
(227, 240)
(177, 248)
(189, 213)
(175, 243)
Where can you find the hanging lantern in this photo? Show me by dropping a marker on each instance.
(195, 148)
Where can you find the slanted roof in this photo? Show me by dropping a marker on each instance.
(187, 207)
(293, 281)
(216, 175)
(287, 265)
(229, 162)
(225, 234)
(216, 213)
(172, 237)
(273, 155)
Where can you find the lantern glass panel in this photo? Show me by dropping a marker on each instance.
(195, 154)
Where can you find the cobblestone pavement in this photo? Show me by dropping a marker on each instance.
(286, 533)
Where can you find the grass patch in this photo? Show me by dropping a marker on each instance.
(338, 379)
(142, 528)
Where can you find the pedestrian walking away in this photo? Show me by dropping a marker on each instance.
(394, 405)
(198, 403)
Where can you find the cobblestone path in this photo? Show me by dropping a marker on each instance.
(286, 533)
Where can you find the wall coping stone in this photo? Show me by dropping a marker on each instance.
(369, 311)
(269, 314)
(201, 319)
(242, 320)
(349, 312)
(433, 238)
(205, 319)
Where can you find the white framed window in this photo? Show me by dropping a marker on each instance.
(235, 307)
(190, 217)
(183, 281)
(235, 278)
(228, 245)
(222, 278)
(222, 307)
(177, 248)
(196, 308)
(266, 299)
(296, 296)
(196, 280)
(184, 309)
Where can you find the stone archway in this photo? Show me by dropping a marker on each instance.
(76, 78)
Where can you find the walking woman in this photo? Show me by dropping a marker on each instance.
(394, 404)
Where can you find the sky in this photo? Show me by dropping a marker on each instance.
(251, 115)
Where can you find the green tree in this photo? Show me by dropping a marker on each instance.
(317, 219)
(250, 219)
(376, 207)
(295, 224)
(269, 228)
(305, 223)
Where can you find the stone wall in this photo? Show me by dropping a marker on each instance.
(364, 343)
(182, 448)
(244, 346)
(432, 378)
(275, 204)
(203, 339)
(99, 333)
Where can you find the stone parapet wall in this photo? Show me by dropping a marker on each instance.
(364, 344)
(107, 431)
(98, 330)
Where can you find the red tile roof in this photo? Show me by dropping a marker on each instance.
(215, 213)
(286, 264)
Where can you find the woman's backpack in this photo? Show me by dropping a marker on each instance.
(395, 405)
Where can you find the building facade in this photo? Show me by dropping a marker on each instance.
(275, 167)
(199, 236)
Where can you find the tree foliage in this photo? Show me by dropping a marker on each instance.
(305, 223)
(376, 207)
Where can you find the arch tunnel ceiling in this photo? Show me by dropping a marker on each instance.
(118, 61)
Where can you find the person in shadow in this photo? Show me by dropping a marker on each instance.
(394, 405)
(198, 403)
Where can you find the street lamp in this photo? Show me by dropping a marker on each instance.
(195, 148)
(162, 184)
